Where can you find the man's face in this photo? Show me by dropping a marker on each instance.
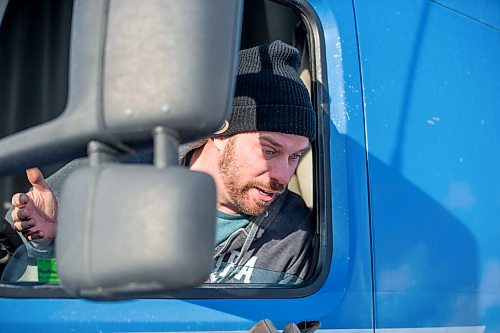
(256, 167)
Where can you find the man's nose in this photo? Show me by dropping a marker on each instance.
(281, 172)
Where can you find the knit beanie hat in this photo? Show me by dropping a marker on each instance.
(269, 94)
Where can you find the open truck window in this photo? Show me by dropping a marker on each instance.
(292, 22)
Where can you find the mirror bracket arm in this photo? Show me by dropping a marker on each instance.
(166, 147)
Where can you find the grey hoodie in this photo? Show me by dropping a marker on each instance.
(275, 247)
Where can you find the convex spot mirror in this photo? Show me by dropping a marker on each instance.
(127, 230)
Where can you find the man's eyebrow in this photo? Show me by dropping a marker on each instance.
(278, 145)
(305, 150)
(271, 141)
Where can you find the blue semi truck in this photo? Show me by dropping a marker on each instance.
(402, 180)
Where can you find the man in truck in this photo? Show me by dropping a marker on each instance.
(264, 232)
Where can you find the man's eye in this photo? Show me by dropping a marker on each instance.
(295, 157)
(268, 152)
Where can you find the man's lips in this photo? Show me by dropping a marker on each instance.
(265, 195)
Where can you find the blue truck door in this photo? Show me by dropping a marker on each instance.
(431, 82)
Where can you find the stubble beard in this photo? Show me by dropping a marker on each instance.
(239, 193)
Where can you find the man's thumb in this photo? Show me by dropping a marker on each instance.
(36, 179)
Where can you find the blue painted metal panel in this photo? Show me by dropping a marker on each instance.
(344, 301)
(431, 80)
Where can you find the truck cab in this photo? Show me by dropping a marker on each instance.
(401, 179)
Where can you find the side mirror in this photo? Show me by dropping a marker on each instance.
(162, 67)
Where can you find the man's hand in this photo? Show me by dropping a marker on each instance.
(35, 212)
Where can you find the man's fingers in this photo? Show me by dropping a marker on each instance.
(36, 235)
(14, 215)
(20, 199)
(19, 215)
(36, 179)
(24, 226)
